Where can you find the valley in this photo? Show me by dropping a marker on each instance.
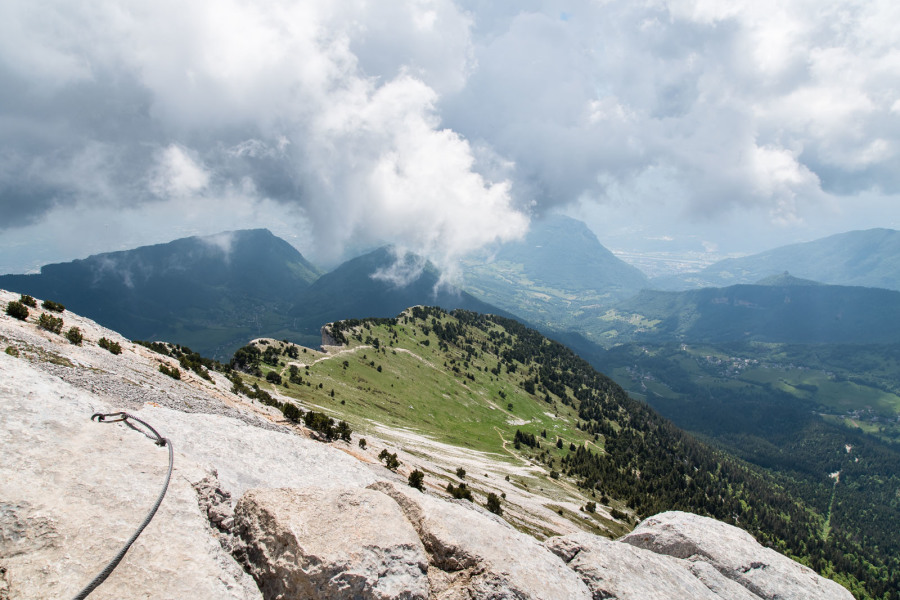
(789, 388)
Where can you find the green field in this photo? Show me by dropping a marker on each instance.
(410, 380)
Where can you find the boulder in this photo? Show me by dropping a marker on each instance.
(474, 554)
(615, 570)
(735, 554)
(329, 543)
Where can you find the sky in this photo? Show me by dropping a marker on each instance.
(708, 126)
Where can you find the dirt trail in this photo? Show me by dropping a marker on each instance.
(340, 353)
(417, 357)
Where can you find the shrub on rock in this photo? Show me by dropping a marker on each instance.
(113, 347)
(460, 492)
(172, 372)
(52, 306)
(416, 480)
(17, 310)
(291, 412)
(50, 323)
(493, 504)
(74, 336)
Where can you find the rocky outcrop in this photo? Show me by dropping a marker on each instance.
(72, 491)
(474, 554)
(733, 553)
(330, 543)
(614, 570)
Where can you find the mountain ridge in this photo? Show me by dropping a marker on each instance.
(355, 290)
(866, 258)
(772, 312)
(559, 270)
(208, 292)
(216, 292)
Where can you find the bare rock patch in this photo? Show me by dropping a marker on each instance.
(329, 543)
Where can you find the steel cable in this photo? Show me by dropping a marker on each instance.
(160, 441)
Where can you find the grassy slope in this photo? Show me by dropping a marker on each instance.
(415, 390)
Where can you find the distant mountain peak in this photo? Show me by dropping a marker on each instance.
(207, 292)
(786, 280)
(868, 258)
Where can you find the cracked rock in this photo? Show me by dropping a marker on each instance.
(735, 554)
(478, 555)
(329, 543)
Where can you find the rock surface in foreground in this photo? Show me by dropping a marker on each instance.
(72, 491)
(614, 570)
(347, 543)
(478, 555)
(735, 554)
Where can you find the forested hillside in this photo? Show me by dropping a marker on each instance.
(465, 378)
(209, 293)
(784, 310)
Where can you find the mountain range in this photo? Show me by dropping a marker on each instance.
(869, 258)
(214, 293)
(780, 309)
(552, 276)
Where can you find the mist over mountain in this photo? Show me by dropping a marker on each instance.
(552, 275)
(214, 293)
(868, 258)
(373, 285)
(209, 293)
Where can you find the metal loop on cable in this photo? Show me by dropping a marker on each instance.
(159, 441)
(124, 416)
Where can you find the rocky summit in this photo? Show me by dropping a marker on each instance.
(259, 508)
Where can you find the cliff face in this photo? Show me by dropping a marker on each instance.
(257, 509)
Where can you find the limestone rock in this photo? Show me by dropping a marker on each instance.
(330, 543)
(735, 554)
(248, 457)
(718, 583)
(214, 501)
(615, 570)
(74, 490)
(477, 555)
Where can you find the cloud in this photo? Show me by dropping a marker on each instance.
(331, 116)
(176, 174)
(765, 105)
(405, 268)
(220, 242)
(441, 126)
